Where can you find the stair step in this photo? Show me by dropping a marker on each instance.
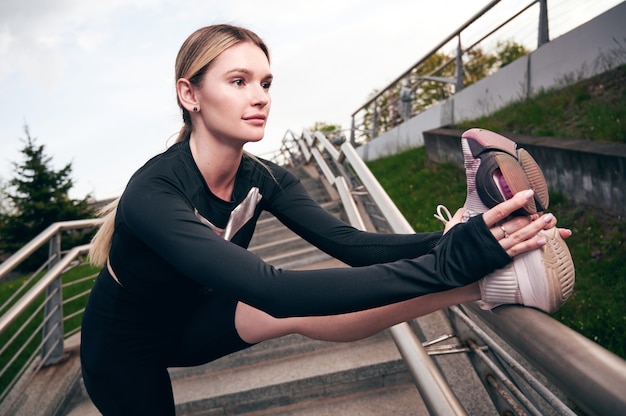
(291, 253)
(267, 222)
(327, 371)
(400, 399)
(287, 237)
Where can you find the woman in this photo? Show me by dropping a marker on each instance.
(179, 287)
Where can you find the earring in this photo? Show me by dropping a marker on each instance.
(195, 109)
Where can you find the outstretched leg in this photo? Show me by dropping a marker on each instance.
(254, 325)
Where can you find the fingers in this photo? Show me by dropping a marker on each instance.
(525, 238)
(526, 245)
(565, 233)
(505, 229)
(519, 234)
(509, 227)
(506, 208)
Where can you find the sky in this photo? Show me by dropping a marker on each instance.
(94, 80)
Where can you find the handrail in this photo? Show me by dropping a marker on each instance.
(51, 329)
(396, 220)
(590, 375)
(594, 378)
(28, 371)
(389, 106)
(42, 238)
(435, 391)
(505, 357)
(430, 53)
(7, 318)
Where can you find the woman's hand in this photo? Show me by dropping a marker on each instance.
(518, 234)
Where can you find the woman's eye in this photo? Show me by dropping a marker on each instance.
(239, 81)
(266, 85)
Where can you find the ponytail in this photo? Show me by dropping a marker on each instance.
(185, 130)
(101, 242)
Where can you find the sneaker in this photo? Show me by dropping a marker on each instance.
(542, 278)
(497, 169)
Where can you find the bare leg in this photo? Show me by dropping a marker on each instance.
(254, 325)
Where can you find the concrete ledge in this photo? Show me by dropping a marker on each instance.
(586, 172)
(46, 393)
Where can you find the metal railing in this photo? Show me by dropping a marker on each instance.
(435, 391)
(580, 370)
(32, 324)
(399, 100)
(585, 373)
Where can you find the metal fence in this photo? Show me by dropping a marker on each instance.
(557, 369)
(574, 371)
(43, 310)
(498, 34)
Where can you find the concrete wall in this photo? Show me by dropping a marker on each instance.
(581, 53)
(404, 136)
(585, 172)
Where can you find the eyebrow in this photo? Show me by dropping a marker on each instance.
(247, 72)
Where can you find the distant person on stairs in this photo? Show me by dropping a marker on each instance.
(178, 286)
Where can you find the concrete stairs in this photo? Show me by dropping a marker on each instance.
(281, 247)
(292, 375)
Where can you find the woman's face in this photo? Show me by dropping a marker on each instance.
(234, 97)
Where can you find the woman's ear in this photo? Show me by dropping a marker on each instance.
(186, 94)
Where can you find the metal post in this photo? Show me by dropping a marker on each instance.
(459, 66)
(375, 122)
(544, 35)
(352, 135)
(52, 349)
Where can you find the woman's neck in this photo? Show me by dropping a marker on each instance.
(218, 164)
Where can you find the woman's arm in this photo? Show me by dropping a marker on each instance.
(165, 222)
(295, 208)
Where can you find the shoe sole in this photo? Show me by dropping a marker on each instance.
(505, 170)
(546, 276)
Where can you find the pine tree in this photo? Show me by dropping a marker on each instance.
(36, 197)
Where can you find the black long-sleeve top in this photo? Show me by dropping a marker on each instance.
(169, 244)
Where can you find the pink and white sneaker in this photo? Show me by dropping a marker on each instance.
(497, 169)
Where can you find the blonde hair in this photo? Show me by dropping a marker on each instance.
(194, 58)
(101, 242)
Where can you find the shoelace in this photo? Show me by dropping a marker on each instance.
(443, 214)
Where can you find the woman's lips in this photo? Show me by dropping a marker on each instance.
(257, 119)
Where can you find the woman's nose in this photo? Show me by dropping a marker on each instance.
(260, 96)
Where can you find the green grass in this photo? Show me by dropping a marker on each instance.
(417, 186)
(597, 307)
(593, 109)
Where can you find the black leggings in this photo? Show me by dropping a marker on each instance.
(125, 360)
